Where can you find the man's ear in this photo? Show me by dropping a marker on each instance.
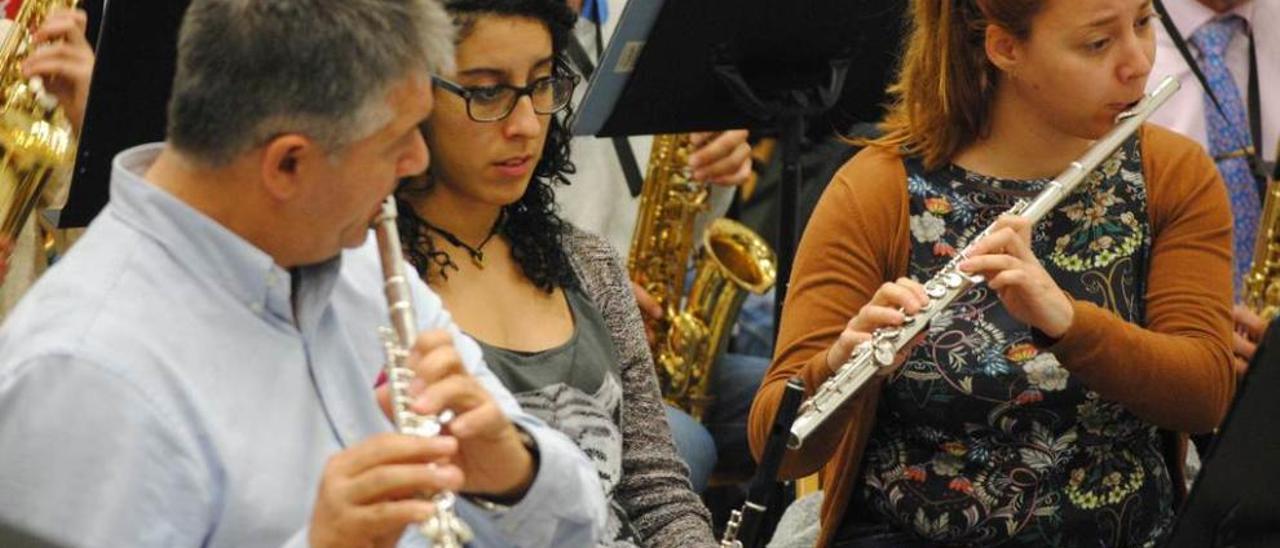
(1002, 49)
(282, 163)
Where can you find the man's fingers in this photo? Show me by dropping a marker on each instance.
(433, 357)
(430, 340)
(398, 481)
(479, 421)
(390, 517)
(457, 393)
(388, 448)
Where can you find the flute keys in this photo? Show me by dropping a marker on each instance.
(444, 528)
(935, 290)
(953, 280)
(884, 353)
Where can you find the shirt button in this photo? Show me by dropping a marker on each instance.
(271, 278)
(256, 308)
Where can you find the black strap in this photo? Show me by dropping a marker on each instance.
(1256, 165)
(626, 156)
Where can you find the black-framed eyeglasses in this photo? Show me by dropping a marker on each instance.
(549, 95)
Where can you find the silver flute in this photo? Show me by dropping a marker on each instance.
(444, 529)
(950, 283)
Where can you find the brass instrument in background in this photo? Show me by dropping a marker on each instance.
(35, 135)
(1261, 285)
(730, 261)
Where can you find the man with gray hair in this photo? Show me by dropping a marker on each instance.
(200, 369)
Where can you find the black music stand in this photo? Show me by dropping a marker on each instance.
(1235, 502)
(136, 51)
(702, 65)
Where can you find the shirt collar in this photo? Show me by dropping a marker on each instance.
(1189, 15)
(211, 251)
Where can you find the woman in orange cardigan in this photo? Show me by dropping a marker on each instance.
(1030, 412)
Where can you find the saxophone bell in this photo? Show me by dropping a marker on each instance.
(730, 261)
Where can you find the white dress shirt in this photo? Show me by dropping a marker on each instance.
(1185, 111)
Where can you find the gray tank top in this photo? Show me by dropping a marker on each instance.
(575, 388)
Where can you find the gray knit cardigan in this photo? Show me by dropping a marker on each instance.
(654, 489)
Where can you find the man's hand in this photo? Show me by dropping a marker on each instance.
(64, 60)
(492, 459)
(722, 158)
(1249, 328)
(370, 491)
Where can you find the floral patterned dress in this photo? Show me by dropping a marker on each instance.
(983, 439)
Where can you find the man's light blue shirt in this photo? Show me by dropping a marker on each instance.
(157, 388)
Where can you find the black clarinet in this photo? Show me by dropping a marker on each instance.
(744, 524)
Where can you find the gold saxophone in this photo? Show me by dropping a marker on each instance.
(1261, 291)
(731, 261)
(35, 136)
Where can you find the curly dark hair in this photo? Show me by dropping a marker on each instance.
(531, 224)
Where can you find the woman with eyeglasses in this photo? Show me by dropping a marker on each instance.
(550, 305)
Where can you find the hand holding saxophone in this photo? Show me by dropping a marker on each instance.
(1248, 332)
(888, 307)
(488, 452)
(1005, 259)
(64, 60)
(722, 158)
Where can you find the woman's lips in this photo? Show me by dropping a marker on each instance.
(514, 167)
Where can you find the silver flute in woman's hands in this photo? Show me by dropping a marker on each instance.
(444, 529)
(950, 283)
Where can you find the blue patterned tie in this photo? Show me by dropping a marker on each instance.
(1229, 134)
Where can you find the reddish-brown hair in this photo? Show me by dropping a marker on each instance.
(942, 99)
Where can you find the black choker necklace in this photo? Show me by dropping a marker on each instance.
(477, 252)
